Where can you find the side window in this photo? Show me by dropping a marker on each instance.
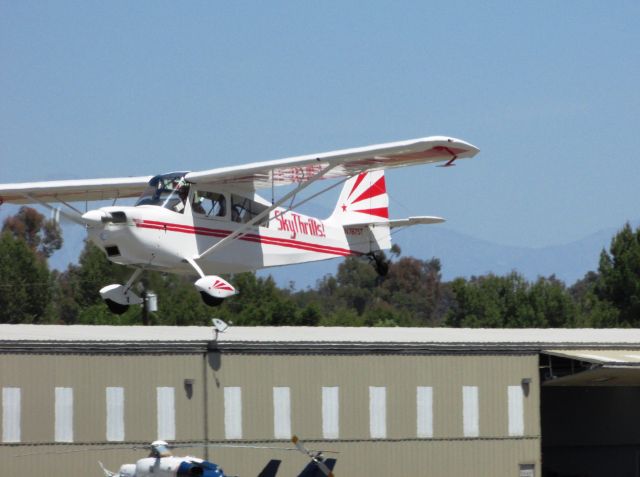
(209, 204)
(244, 210)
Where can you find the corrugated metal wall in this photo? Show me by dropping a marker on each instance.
(269, 397)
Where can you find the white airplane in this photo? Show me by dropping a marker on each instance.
(213, 222)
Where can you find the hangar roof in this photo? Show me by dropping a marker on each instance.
(599, 367)
(318, 334)
(321, 339)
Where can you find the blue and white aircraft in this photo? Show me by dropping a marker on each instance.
(161, 463)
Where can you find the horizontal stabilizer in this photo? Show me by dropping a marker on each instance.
(424, 219)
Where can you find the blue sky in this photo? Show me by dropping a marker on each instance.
(547, 90)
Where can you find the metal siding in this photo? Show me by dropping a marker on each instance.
(256, 375)
(448, 453)
(89, 376)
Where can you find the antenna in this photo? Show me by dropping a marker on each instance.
(219, 326)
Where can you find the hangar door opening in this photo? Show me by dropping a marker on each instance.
(590, 413)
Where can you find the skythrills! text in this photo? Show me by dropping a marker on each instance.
(296, 224)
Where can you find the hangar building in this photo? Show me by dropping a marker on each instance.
(392, 401)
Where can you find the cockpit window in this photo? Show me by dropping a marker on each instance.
(169, 191)
(244, 210)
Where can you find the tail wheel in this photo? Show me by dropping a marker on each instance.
(116, 308)
(380, 263)
(211, 300)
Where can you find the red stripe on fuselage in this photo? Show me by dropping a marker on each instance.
(221, 233)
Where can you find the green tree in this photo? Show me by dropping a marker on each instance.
(42, 236)
(510, 301)
(619, 276)
(25, 286)
(78, 289)
(412, 287)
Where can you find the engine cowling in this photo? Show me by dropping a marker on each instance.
(214, 289)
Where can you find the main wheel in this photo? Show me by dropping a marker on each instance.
(116, 308)
(211, 300)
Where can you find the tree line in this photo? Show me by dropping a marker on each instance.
(411, 294)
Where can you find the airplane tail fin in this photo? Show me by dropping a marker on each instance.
(363, 211)
(363, 199)
(271, 469)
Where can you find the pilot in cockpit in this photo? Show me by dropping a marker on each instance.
(183, 193)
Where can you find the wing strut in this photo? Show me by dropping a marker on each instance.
(326, 189)
(265, 213)
(72, 217)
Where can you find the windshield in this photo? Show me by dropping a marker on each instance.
(168, 190)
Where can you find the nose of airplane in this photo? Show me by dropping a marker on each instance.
(94, 217)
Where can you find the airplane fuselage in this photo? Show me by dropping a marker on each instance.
(157, 238)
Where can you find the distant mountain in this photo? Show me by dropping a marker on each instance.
(465, 256)
(460, 255)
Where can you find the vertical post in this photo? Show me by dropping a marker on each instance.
(145, 308)
(205, 403)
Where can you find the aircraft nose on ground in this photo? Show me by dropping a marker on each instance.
(95, 217)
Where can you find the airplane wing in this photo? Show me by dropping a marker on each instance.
(257, 175)
(345, 163)
(72, 190)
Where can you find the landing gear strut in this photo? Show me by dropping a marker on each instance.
(379, 262)
(118, 297)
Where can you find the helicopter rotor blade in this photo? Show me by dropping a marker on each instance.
(242, 446)
(315, 456)
(85, 449)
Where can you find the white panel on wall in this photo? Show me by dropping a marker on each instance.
(11, 398)
(115, 413)
(233, 413)
(470, 411)
(516, 411)
(166, 398)
(281, 413)
(331, 412)
(424, 411)
(378, 412)
(63, 415)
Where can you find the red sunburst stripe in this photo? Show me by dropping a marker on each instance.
(378, 188)
(379, 212)
(357, 183)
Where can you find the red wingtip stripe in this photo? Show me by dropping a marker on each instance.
(378, 188)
